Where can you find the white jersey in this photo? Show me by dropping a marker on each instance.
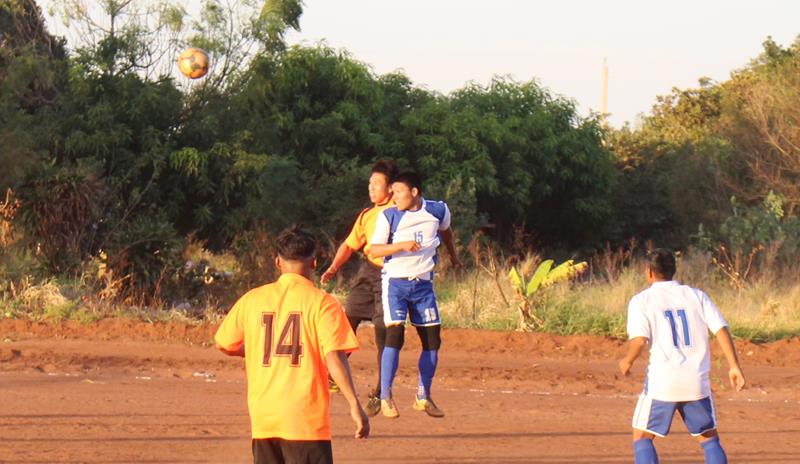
(676, 319)
(421, 226)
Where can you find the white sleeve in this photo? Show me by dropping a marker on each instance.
(638, 325)
(382, 230)
(444, 224)
(711, 313)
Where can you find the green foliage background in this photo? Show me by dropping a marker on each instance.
(106, 154)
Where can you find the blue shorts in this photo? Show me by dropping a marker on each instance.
(409, 298)
(655, 416)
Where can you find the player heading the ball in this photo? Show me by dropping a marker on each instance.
(407, 236)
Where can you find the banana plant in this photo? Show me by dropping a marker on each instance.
(529, 290)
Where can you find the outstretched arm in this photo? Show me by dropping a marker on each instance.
(339, 368)
(343, 254)
(635, 347)
(449, 243)
(735, 374)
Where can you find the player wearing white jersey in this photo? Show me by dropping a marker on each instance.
(407, 236)
(675, 320)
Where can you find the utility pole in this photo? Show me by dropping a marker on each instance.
(604, 100)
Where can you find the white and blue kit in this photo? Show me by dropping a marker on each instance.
(407, 288)
(408, 276)
(676, 319)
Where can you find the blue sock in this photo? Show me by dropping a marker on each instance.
(714, 452)
(389, 362)
(427, 368)
(644, 452)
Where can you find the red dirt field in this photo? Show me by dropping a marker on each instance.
(126, 391)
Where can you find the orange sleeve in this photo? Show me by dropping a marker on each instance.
(333, 329)
(357, 237)
(230, 334)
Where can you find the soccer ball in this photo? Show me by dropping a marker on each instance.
(193, 63)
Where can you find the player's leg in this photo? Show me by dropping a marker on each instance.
(307, 451)
(651, 418)
(354, 321)
(701, 421)
(394, 317)
(644, 451)
(424, 314)
(267, 451)
(380, 344)
(358, 307)
(378, 324)
(431, 340)
(373, 405)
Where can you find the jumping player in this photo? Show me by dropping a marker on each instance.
(291, 335)
(675, 319)
(364, 301)
(407, 235)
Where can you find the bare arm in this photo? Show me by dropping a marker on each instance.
(343, 254)
(237, 352)
(635, 348)
(380, 250)
(449, 243)
(339, 368)
(735, 374)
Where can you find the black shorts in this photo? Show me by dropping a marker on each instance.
(280, 451)
(364, 301)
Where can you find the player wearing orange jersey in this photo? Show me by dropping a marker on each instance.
(364, 303)
(292, 335)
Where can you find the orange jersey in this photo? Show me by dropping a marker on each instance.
(287, 327)
(363, 228)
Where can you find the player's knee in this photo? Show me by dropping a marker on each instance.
(395, 336)
(430, 337)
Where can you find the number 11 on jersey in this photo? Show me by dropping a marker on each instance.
(668, 313)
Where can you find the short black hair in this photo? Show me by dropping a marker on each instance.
(296, 244)
(662, 262)
(411, 179)
(386, 167)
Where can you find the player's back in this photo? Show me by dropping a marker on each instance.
(676, 318)
(289, 326)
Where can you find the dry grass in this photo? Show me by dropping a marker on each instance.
(767, 308)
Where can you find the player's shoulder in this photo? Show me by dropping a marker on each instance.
(257, 294)
(436, 208)
(701, 295)
(392, 214)
(639, 298)
(363, 213)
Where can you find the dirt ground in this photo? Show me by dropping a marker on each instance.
(125, 391)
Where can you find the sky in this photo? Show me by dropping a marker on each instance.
(650, 46)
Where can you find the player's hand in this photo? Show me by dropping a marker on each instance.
(457, 263)
(327, 275)
(736, 377)
(361, 420)
(410, 246)
(625, 367)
